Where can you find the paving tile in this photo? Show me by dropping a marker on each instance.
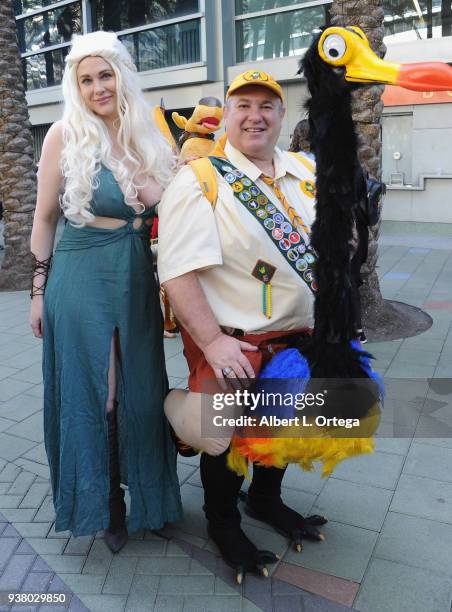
(164, 565)
(26, 357)
(64, 563)
(177, 366)
(142, 593)
(36, 495)
(10, 532)
(20, 407)
(47, 546)
(79, 546)
(19, 515)
(7, 549)
(429, 461)
(36, 391)
(31, 428)
(32, 374)
(189, 460)
(392, 586)
(10, 501)
(10, 388)
(330, 587)
(192, 501)
(296, 478)
(184, 472)
(36, 468)
(9, 473)
(198, 569)
(203, 603)
(101, 603)
(377, 470)
(15, 572)
(36, 582)
(6, 371)
(186, 585)
(120, 575)
(76, 605)
(5, 424)
(22, 483)
(345, 553)
(99, 559)
(83, 584)
(144, 548)
(423, 497)
(397, 446)
(37, 453)
(41, 566)
(25, 549)
(172, 346)
(168, 603)
(12, 447)
(417, 542)
(353, 504)
(46, 512)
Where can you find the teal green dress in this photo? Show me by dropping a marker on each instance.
(102, 280)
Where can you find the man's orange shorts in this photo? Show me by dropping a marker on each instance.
(268, 343)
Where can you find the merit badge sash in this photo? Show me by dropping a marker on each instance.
(289, 242)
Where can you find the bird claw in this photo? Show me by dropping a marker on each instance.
(263, 571)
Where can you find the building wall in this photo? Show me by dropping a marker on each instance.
(418, 183)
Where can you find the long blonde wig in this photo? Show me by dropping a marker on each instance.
(85, 136)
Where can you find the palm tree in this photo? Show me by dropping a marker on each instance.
(367, 111)
(17, 176)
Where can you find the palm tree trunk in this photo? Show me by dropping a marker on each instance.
(367, 110)
(17, 176)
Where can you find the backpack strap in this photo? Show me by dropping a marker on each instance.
(307, 163)
(207, 178)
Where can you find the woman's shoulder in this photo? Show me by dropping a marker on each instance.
(55, 132)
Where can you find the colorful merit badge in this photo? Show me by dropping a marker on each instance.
(264, 272)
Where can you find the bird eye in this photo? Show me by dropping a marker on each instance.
(334, 47)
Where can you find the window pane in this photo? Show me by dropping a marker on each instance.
(162, 47)
(49, 28)
(254, 6)
(44, 69)
(278, 35)
(122, 14)
(25, 6)
(408, 20)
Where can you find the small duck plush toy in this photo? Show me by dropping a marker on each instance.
(198, 139)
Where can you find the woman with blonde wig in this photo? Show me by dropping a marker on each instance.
(96, 304)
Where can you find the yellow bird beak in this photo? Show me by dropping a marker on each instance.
(349, 47)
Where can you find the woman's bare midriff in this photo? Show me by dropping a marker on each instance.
(112, 223)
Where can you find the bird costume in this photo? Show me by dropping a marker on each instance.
(338, 61)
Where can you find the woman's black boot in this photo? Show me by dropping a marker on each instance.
(116, 535)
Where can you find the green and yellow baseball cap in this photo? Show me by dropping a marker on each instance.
(255, 77)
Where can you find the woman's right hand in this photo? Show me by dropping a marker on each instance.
(36, 310)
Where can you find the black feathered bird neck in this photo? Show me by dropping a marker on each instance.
(339, 185)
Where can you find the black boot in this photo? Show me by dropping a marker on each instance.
(264, 503)
(116, 535)
(221, 489)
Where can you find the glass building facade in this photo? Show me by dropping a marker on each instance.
(164, 34)
(159, 34)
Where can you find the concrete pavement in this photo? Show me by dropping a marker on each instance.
(389, 540)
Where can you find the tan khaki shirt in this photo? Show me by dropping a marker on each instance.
(223, 245)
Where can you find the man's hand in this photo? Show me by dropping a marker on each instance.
(225, 352)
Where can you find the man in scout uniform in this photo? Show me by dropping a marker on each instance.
(238, 272)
